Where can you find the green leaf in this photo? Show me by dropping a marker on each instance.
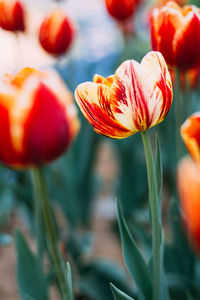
(119, 295)
(69, 281)
(32, 283)
(134, 259)
(95, 278)
(164, 295)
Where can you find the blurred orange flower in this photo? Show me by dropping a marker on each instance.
(121, 9)
(56, 33)
(135, 98)
(37, 118)
(188, 179)
(189, 78)
(190, 132)
(12, 15)
(175, 32)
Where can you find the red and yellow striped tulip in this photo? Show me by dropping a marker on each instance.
(37, 118)
(121, 9)
(188, 179)
(190, 132)
(56, 33)
(175, 32)
(135, 98)
(12, 15)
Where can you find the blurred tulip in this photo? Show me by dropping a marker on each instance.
(37, 118)
(188, 179)
(175, 32)
(12, 15)
(56, 33)
(193, 76)
(190, 132)
(135, 98)
(188, 79)
(121, 9)
(163, 2)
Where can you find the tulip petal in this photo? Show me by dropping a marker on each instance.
(164, 23)
(7, 152)
(95, 103)
(186, 42)
(188, 179)
(190, 132)
(143, 92)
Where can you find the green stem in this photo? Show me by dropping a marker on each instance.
(178, 114)
(51, 234)
(154, 211)
(38, 216)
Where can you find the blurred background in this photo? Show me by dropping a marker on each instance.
(96, 171)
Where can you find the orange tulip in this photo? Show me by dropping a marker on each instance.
(190, 132)
(188, 176)
(135, 98)
(56, 33)
(175, 32)
(37, 118)
(121, 9)
(11, 15)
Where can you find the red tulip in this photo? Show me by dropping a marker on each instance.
(121, 9)
(175, 32)
(190, 132)
(135, 98)
(56, 33)
(12, 15)
(188, 176)
(37, 118)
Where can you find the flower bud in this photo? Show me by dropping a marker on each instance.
(120, 9)
(12, 15)
(37, 118)
(56, 33)
(175, 32)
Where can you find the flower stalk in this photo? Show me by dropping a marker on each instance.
(154, 212)
(38, 215)
(50, 231)
(178, 114)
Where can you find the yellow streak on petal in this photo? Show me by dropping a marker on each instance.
(55, 22)
(18, 79)
(100, 79)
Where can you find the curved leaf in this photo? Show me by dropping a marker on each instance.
(134, 260)
(119, 295)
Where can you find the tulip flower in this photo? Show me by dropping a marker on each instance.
(175, 32)
(190, 132)
(135, 98)
(12, 15)
(120, 9)
(56, 33)
(188, 179)
(37, 118)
